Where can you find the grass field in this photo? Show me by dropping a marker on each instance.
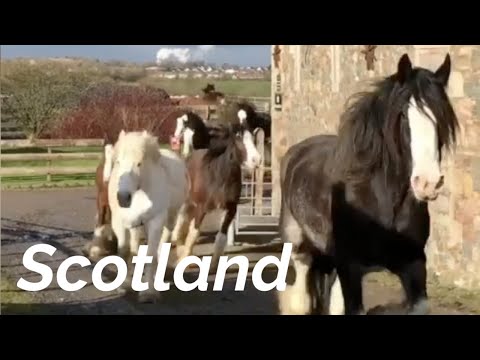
(250, 88)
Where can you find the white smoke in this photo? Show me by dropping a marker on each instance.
(183, 55)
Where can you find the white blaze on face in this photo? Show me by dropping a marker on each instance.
(180, 125)
(187, 141)
(253, 156)
(242, 116)
(426, 176)
(108, 165)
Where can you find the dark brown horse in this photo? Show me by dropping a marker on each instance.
(210, 97)
(215, 183)
(358, 202)
(211, 94)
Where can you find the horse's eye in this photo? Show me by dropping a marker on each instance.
(139, 164)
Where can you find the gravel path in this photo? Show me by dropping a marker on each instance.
(64, 218)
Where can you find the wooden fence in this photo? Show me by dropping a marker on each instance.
(207, 112)
(49, 156)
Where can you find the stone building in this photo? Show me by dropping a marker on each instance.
(310, 85)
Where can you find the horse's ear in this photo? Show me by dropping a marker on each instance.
(145, 133)
(443, 72)
(404, 68)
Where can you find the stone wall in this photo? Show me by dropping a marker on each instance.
(315, 82)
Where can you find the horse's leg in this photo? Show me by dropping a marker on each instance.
(296, 299)
(350, 276)
(121, 234)
(337, 303)
(123, 246)
(170, 226)
(193, 233)
(135, 238)
(168, 229)
(133, 245)
(414, 281)
(181, 226)
(221, 237)
(154, 230)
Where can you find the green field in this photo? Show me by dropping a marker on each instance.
(249, 88)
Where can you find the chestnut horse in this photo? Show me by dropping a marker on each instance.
(104, 242)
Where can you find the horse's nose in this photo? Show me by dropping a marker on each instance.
(427, 189)
(124, 199)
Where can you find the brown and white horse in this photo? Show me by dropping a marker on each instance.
(215, 183)
(104, 242)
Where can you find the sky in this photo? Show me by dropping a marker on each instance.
(243, 55)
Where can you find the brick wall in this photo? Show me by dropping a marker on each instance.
(316, 80)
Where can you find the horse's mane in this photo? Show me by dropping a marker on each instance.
(147, 144)
(196, 120)
(248, 107)
(222, 142)
(369, 135)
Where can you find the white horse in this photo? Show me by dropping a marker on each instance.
(147, 187)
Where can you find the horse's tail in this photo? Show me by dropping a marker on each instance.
(108, 165)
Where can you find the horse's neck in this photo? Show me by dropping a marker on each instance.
(228, 167)
(153, 175)
(391, 193)
(200, 129)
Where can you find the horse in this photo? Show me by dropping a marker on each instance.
(211, 94)
(357, 202)
(248, 116)
(210, 97)
(158, 179)
(215, 183)
(196, 133)
(104, 241)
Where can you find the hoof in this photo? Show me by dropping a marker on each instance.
(95, 253)
(149, 297)
(294, 303)
(86, 249)
(122, 291)
(420, 308)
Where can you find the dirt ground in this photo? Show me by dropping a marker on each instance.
(65, 218)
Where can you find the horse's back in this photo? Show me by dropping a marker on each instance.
(175, 164)
(305, 187)
(313, 149)
(177, 175)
